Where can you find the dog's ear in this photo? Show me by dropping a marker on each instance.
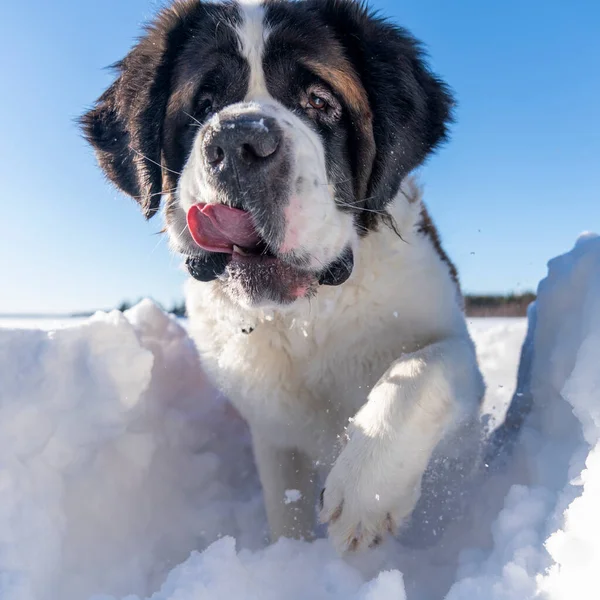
(411, 108)
(125, 126)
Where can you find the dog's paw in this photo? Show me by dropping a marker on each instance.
(369, 492)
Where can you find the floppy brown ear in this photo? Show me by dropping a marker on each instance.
(411, 107)
(125, 126)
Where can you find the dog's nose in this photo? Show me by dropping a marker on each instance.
(241, 144)
(245, 158)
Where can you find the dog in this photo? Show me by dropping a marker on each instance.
(282, 137)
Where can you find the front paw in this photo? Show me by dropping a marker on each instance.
(369, 492)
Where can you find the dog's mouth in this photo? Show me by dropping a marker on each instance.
(223, 229)
(234, 249)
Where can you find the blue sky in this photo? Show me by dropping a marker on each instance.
(518, 182)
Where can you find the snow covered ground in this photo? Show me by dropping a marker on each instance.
(123, 475)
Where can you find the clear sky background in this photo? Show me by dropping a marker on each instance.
(518, 182)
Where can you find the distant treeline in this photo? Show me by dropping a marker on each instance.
(509, 305)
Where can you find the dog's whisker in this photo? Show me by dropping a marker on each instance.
(162, 192)
(179, 236)
(354, 206)
(153, 161)
(160, 239)
(361, 208)
(334, 182)
(196, 122)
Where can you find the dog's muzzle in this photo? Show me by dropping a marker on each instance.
(247, 162)
(243, 157)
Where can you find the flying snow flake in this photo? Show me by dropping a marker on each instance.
(292, 496)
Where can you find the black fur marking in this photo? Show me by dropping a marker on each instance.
(126, 126)
(339, 271)
(207, 267)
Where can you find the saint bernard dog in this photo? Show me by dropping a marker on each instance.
(280, 137)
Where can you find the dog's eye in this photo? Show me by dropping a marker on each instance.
(317, 102)
(205, 107)
(321, 105)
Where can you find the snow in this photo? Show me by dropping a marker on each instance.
(292, 496)
(48, 323)
(125, 476)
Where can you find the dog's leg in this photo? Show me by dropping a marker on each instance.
(288, 482)
(376, 480)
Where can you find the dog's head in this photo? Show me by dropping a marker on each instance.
(276, 133)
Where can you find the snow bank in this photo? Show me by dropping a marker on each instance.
(112, 458)
(124, 476)
(547, 536)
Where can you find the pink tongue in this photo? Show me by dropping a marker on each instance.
(217, 228)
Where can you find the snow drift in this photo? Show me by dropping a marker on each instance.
(123, 475)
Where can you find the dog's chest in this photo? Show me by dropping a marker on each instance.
(299, 380)
(300, 375)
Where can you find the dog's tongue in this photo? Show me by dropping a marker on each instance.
(217, 228)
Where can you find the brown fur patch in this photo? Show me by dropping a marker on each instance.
(342, 77)
(427, 227)
(345, 81)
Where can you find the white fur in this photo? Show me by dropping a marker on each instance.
(308, 369)
(252, 35)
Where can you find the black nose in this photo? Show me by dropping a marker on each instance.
(242, 143)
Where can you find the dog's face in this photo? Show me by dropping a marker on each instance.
(276, 133)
